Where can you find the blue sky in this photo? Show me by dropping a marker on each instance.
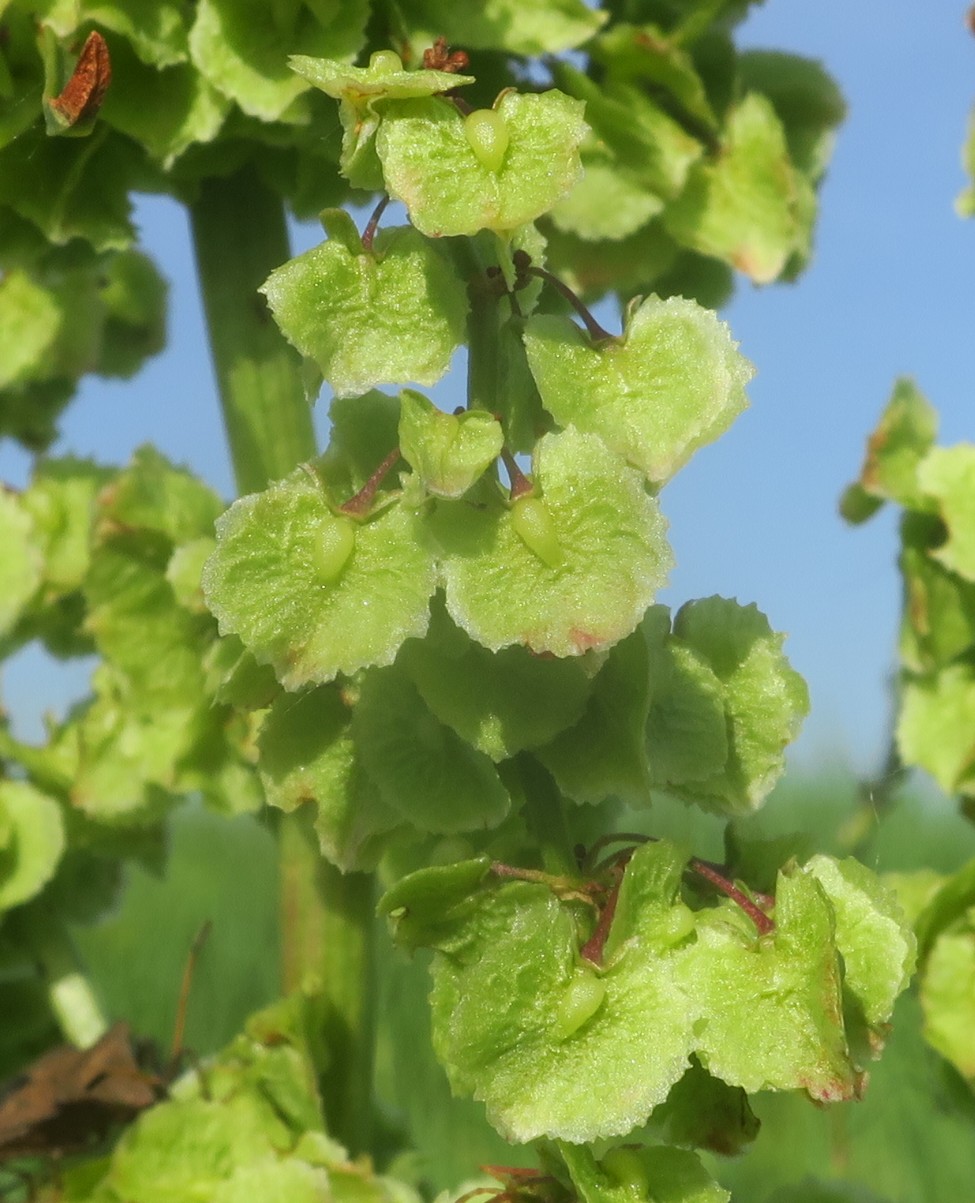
(890, 291)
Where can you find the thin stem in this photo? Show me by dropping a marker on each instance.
(369, 233)
(359, 505)
(519, 483)
(240, 236)
(713, 874)
(483, 376)
(596, 332)
(179, 1027)
(592, 950)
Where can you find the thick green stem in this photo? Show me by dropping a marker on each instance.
(240, 236)
(328, 952)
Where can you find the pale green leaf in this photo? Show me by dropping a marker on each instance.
(447, 451)
(879, 949)
(673, 381)
(896, 448)
(948, 995)
(32, 841)
(936, 727)
(395, 314)
(520, 700)
(423, 770)
(607, 555)
(313, 593)
(948, 475)
(242, 47)
(542, 27)
(736, 660)
(308, 758)
(628, 1172)
(430, 165)
(742, 205)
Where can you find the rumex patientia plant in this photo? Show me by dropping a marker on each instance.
(436, 646)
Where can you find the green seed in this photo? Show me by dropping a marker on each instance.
(487, 134)
(678, 924)
(582, 999)
(625, 1166)
(383, 61)
(336, 545)
(533, 524)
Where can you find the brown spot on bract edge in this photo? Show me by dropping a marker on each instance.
(82, 96)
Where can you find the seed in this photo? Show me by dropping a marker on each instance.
(533, 524)
(582, 999)
(487, 134)
(336, 545)
(385, 62)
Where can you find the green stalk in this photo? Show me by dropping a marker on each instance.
(328, 952)
(70, 994)
(240, 236)
(483, 368)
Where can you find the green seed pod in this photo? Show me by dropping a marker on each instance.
(385, 60)
(678, 924)
(533, 524)
(625, 1167)
(582, 999)
(337, 544)
(488, 135)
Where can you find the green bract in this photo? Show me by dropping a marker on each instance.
(627, 1173)
(725, 705)
(543, 27)
(947, 475)
(447, 451)
(242, 48)
(934, 728)
(273, 581)
(636, 159)
(308, 757)
(604, 755)
(745, 205)
(871, 932)
(383, 79)
(672, 382)
(362, 92)
(521, 700)
(32, 841)
(423, 770)
(610, 535)
(947, 993)
(252, 1129)
(389, 315)
(903, 436)
(429, 164)
(560, 1048)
